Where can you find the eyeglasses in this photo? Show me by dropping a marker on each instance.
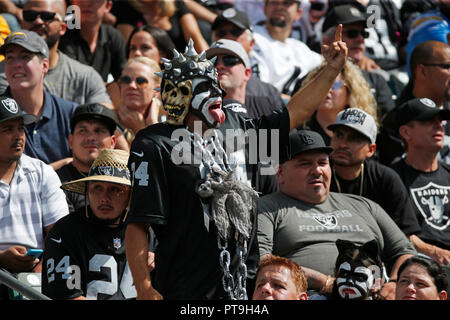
(31, 15)
(235, 32)
(354, 33)
(445, 66)
(227, 61)
(337, 85)
(140, 81)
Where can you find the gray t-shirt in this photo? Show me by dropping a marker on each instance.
(306, 233)
(72, 81)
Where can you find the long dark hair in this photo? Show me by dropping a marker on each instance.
(163, 41)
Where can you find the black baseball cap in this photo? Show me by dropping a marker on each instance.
(420, 109)
(27, 39)
(305, 140)
(94, 111)
(238, 18)
(343, 14)
(9, 109)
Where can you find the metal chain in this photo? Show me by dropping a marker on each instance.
(227, 278)
(241, 291)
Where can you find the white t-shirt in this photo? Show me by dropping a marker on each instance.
(282, 63)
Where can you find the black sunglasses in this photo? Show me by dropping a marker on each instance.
(31, 15)
(354, 33)
(235, 32)
(227, 61)
(140, 81)
(445, 66)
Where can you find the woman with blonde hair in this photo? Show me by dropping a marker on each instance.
(140, 104)
(350, 90)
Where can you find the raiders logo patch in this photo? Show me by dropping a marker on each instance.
(10, 105)
(432, 201)
(328, 221)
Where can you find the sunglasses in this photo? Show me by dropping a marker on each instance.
(445, 66)
(235, 32)
(354, 33)
(337, 85)
(140, 81)
(227, 61)
(31, 15)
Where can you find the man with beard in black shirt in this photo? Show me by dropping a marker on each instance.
(354, 144)
(199, 207)
(419, 123)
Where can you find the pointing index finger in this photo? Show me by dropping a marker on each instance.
(338, 35)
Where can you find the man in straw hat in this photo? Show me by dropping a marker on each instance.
(88, 247)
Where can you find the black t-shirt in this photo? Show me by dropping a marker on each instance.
(96, 255)
(127, 14)
(430, 194)
(187, 256)
(261, 98)
(109, 55)
(70, 173)
(384, 186)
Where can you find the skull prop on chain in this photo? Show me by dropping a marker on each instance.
(190, 83)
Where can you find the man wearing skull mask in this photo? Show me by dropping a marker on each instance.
(178, 199)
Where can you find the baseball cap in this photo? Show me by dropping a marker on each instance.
(27, 39)
(238, 18)
(358, 120)
(342, 14)
(9, 109)
(95, 111)
(305, 140)
(225, 46)
(419, 109)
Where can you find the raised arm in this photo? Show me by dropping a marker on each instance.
(302, 105)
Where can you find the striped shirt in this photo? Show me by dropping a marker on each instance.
(33, 200)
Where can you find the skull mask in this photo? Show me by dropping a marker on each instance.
(190, 83)
(176, 99)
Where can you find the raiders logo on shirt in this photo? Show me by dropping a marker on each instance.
(432, 201)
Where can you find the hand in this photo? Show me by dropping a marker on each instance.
(131, 119)
(150, 294)
(388, 291)
(442, 256)
(336, 53)
(14, 259)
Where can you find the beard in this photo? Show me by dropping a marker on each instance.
(51, 40)
(277, 22)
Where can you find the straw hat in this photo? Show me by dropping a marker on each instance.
(110, 166)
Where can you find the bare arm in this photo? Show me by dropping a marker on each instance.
(8, 6)
(302, 105)
(388, 289)
(138, 260)
(191, 30)
(60, 163)
(318, 281)
(440, 255)
(200, 12)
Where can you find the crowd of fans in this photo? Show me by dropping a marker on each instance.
(358, 207)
